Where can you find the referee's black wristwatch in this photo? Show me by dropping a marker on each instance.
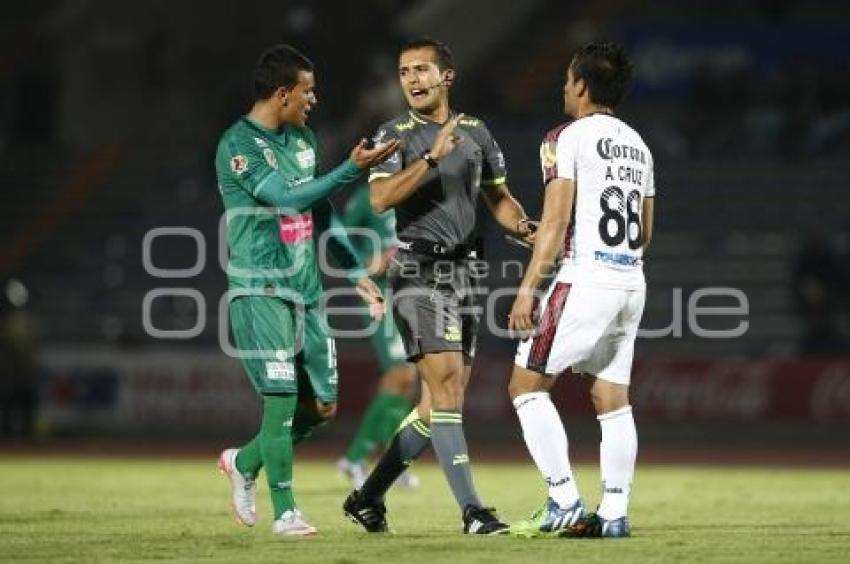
(432, 162)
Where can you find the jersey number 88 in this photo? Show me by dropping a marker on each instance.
(623, 212)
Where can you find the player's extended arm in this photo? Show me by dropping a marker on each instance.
(557, 207)
(275, 191)
(648, 217)
(505, 208)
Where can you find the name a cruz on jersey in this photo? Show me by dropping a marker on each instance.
(613, 172)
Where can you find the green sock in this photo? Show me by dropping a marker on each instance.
(379, 424)
(276, 448)
(249, 459)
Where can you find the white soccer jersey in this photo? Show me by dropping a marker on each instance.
(612, 170)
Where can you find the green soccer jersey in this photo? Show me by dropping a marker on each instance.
(360, 215)
(264, 177)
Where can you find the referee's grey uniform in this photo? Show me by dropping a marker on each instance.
(434, 301)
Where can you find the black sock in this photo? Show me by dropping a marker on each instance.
(405, 447)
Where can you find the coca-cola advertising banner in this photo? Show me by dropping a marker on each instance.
(730, 391)
(139, 391)
(735, 390)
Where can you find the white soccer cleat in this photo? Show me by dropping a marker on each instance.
(408, 480)
(244, 491)
(292, 524)
(355, 472)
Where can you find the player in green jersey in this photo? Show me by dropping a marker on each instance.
(265, 165)
(374, 237)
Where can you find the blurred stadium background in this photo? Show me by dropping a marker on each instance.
(109, 115)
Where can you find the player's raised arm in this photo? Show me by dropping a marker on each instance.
(276, 190)
(386, 192)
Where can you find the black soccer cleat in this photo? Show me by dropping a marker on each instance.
(482, 521)
(371, 515)
(594, 526)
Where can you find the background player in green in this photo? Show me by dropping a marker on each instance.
(373, 235)
(265, 165)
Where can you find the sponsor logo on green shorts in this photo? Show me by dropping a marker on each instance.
(280, 370)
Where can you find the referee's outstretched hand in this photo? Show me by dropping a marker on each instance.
(367, 158)
(446, 140)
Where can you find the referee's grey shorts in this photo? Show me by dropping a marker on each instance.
(435, 304)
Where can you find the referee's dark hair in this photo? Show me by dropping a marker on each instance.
(605, 69)
(278, 67)
(442, 53)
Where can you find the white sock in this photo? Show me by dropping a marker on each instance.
(617, 454)
(547, 442)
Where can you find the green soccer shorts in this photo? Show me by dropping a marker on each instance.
(281, 345)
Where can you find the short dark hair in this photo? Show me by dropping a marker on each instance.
(605, 69)
(442, 53)
(278, 67)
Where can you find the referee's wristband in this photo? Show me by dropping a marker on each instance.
(429, 159)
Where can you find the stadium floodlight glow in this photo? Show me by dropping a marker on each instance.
(190, 333)
(155, 271)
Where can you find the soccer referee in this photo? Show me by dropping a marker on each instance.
(433, 182)
(265, 165)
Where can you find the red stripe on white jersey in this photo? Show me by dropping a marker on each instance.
(542, 344)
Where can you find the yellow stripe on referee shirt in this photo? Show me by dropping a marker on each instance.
(494, 181)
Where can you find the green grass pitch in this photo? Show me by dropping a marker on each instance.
(117, 510)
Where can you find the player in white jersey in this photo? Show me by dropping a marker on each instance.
(587, 269)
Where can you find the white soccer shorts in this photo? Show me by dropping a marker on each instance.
(590, 329)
